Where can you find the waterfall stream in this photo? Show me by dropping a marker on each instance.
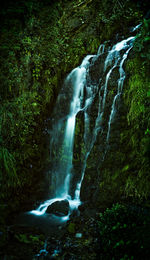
(77, 95)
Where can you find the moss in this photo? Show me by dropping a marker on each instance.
(138, 115)
(71, 228)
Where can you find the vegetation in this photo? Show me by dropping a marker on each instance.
(40, 43)
(124, 232)
(139, 114)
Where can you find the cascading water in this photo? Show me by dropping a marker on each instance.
(63, 137)
(126, 45)
(77, 96)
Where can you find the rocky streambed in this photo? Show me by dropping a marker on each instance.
(45, 237)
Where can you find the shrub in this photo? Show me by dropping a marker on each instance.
(125, 232)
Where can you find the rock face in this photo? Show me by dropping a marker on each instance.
(60, 208)
(104, 152)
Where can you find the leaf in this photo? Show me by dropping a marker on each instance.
(22, 238)
(147, 39)
(148, 94)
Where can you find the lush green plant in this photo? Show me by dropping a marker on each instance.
(28, 239)
(142, 42)
(8, 167)
(125, 232)
(138, 182)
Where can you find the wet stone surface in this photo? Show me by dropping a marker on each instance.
(60, 208)
(76, 240)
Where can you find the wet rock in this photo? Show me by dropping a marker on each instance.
(74, 214)
(97, 68)
(60, 208)
(83, 207)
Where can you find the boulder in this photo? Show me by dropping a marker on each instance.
(60, 207)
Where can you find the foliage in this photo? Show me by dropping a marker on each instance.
(7, 163)
(124, 232)
(71, 228)
(142, 42)
(138, 102)
(29, 239)
(17, 126)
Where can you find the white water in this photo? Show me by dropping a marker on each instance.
(127, 46)
(81, 98)
(101, 49)
(77, 78)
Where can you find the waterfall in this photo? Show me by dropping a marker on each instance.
(127, 46)
(77, 95)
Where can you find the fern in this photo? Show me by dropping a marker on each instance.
(8, 165)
